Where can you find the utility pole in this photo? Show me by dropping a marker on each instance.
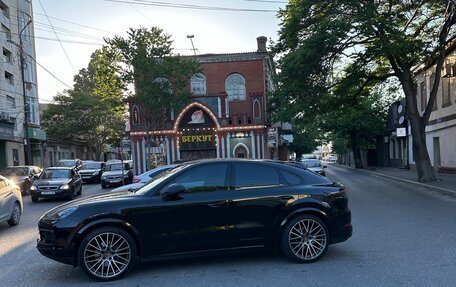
(191, 40)
(27, 149)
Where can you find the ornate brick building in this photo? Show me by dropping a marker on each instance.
(224, 118)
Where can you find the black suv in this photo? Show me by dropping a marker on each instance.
(197, 208)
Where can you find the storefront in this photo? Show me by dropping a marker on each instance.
(6, 137)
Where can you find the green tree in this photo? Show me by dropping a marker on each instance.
(93, 111)
(160, 77)
(371, 41)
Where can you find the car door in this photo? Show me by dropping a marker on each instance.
(260, 196)
(196, 219)
(6, 196)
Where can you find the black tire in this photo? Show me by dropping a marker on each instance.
(26, 188)
(70, 195)
(305, 239)
(15, 215)
(80, 190)
(103, 186)
(34, 198)
(122, 261)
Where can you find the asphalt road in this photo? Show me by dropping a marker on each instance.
(403, 236)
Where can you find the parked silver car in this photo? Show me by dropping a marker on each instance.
(10, 202)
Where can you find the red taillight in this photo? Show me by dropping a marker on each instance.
(340, 193)
(136, 180)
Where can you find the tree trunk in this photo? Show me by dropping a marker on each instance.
(356, 151)
(424, 168)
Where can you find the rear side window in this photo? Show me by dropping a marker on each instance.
(312, 178)
(250, 175)
(291, 178)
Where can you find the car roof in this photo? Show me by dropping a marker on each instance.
(59, 167)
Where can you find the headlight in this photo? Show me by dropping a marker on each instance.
(63, 213)
(65, 186)
(33, 187)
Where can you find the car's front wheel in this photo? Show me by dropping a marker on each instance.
(107, 253)
(305, 239)
(15, 215)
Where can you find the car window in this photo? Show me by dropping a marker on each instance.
(291, 178)
(210, 177)
(249, 175)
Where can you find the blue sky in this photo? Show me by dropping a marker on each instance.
(214, 31)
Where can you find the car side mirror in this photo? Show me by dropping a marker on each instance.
(172, 191)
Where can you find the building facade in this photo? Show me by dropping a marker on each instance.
(224, 118)
(21, 139)
(441, 129)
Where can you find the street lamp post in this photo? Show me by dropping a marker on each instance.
(26, 109)
(191, 40)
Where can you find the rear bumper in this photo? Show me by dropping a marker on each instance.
(341, 227)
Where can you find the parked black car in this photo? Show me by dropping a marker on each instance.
(60, 182)
(23, 176)
(202, 207)
(113, 174)
(91, 171)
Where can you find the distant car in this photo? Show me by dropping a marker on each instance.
(11, 206)
(91, 171)
(198, 208)
(57, 182)
(315, 166)
(142, 179)
(113, 174)
(75, 163)
(22, 176)
(331, 157)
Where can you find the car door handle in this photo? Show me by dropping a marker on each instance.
(217, 204)
(286, 197)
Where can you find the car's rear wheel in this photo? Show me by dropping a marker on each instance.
(305, 239)
(15, 215)
(107, 253)
(34, 198)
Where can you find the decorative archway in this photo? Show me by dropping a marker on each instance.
(192, 105)
(241, 151)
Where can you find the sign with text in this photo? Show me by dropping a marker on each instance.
(197, 138)
(401, 132)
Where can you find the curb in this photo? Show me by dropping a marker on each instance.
(441, 190)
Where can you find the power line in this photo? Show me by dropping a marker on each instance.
(61, 45)
(189, 6)
(147, 18)
(44, 68)
(74, 23)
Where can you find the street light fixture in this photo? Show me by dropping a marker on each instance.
(191, 40)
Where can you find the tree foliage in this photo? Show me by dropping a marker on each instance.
(93, 111)
(345, 48)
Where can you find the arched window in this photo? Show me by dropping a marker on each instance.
(256, 109)
(235, 87)
(198, 84)
(164, 84)
(240, 152)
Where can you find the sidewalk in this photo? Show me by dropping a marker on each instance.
(446, 182)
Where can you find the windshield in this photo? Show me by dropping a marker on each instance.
(159, 178)
(312, 162)
(66, 163)
(55, 173)
(14, 171)
(114, 166)
(91, 165)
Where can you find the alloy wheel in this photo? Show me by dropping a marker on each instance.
(15, 215)
(107, 255)
(307, 239)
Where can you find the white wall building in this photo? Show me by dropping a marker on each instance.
(441, 129)
(16, 30)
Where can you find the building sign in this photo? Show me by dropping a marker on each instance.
(155, 150)
(7, 132)
(401, 132)
(273, 137)
(197, 138)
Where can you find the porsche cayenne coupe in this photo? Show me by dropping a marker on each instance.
(196, 208)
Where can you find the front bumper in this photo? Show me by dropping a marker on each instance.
(56, 193)
(54, 246)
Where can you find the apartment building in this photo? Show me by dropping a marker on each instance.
(21, 139)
